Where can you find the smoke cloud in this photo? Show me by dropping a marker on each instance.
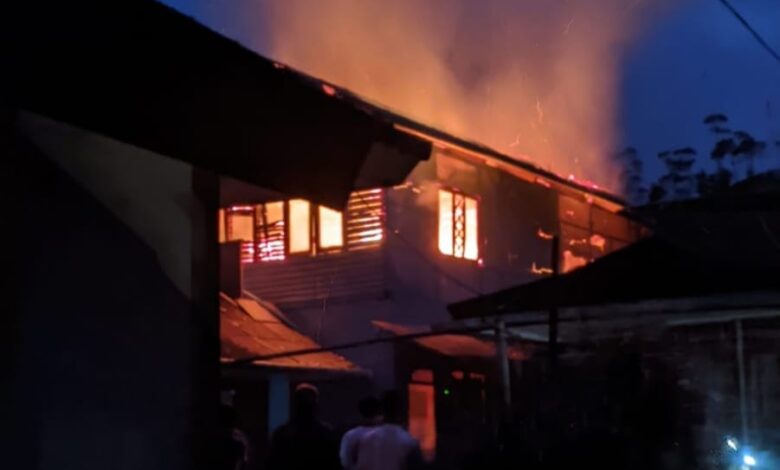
(537, 80)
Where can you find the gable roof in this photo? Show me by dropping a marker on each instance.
(142, 73)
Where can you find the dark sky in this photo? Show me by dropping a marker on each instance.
(695, 60)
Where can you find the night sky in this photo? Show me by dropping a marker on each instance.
(697, 61)
(693, 60)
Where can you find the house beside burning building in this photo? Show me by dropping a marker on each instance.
(691, 311)
(467, 221)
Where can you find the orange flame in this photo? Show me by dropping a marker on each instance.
(524, 77)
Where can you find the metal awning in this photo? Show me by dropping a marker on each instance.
(142, 73)
(452, 344)
(703, 248)
(651, 269)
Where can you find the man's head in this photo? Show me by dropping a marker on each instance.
(370, 410)
(391, 407)
(305, 400)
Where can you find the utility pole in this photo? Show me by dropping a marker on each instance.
(503, 364)
(741, 373)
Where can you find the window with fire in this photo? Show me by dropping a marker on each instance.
(458, 225)
(273, 231)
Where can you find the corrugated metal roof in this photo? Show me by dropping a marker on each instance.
(248, 328)
(453, 345)
(651, 269)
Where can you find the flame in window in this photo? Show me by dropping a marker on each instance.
(270, 231)
(365, 219)
(331, 228)
(239, 226)
(445, 222)
(472, 248)
(458, 225)
(300, 226)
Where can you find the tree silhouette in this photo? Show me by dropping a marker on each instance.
(631, 175)
(747, 149)
(677, 182)
(708, 184)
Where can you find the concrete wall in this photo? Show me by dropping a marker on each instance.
(109, 331)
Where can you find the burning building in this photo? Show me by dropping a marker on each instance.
(469, 220)
(113, 143)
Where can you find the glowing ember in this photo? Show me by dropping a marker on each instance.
(542, 271)
(329, 90)
(543, 182)
(598, 241)
(572, 261)
(544, 235)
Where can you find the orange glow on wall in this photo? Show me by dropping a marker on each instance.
(300, 226)
(424, 376)
(571, 261)
(422, 418)
(331, 228)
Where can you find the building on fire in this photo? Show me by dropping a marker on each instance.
(466, 221)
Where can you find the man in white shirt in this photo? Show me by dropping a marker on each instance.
(387, 447)
(371, 414)
(384, 445)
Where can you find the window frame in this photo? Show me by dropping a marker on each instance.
(466, 197)
(314, 225)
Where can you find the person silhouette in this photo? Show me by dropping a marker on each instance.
(304, 442)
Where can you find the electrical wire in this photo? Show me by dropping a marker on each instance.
(752, 31)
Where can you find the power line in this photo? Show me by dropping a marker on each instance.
(752, 31)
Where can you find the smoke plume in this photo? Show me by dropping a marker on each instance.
(537, 80)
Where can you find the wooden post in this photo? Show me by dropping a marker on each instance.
(553, 314)
(741, 374)
(205, 320)
(503, 364)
